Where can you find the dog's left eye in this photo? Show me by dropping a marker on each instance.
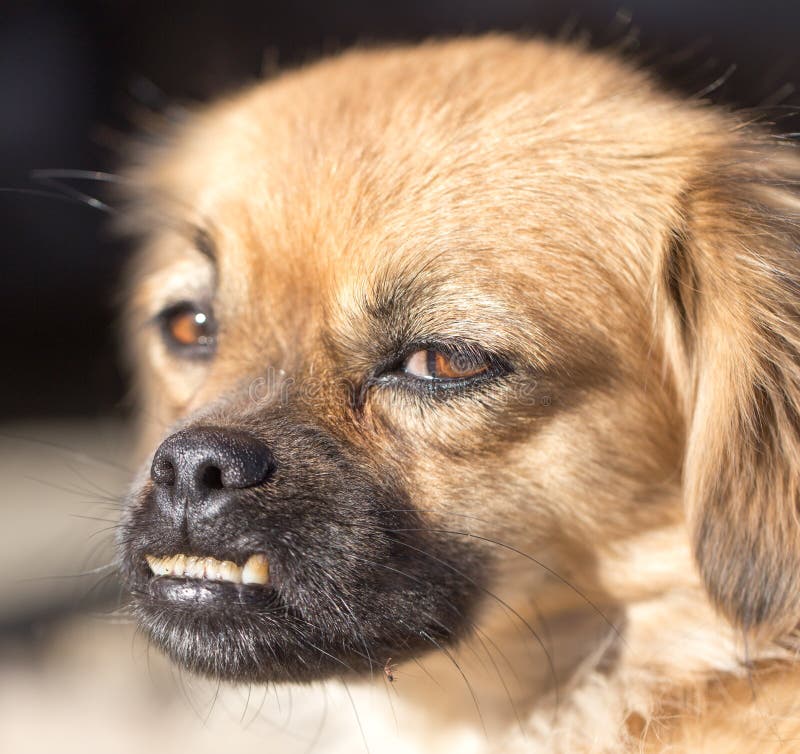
(188, 329)
(430, 364)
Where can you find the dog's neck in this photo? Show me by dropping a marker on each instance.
(567, 671)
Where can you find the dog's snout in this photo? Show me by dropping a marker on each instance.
(195, 462)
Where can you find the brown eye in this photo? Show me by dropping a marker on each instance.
(429, 364)
(188, 329)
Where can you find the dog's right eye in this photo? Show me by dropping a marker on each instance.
(188, 329)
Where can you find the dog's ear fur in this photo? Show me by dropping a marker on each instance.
(730, 286)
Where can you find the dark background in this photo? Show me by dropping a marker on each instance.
(71, 75)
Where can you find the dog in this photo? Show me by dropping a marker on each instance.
(471, 369)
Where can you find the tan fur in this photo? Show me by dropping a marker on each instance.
(637, 254)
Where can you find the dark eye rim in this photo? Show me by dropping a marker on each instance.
(392, 373)
(195, 351)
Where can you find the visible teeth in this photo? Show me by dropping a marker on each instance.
(179, 565)
(230, 572)
(256, 570)
(158, 565)
(194, 567)
(210, 570)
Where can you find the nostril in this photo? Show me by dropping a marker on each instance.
(211, 478)
(163, 471)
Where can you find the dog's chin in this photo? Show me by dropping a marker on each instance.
(247, 633)
(227, 631)
(237, 632)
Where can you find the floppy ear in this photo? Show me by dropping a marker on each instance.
(731, 282)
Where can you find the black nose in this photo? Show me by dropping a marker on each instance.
(197, 465)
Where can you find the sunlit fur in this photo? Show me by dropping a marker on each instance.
(633, 255)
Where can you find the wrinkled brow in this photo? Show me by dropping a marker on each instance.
(204, 242)
(403, 307)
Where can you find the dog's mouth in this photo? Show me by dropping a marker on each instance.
(314, 574)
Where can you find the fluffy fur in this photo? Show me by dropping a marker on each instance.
(599, 545)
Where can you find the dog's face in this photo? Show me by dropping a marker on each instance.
(410, 319)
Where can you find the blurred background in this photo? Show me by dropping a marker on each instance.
(71, 77)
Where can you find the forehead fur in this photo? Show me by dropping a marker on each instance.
(494, 147)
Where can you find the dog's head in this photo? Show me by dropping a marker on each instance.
(412, 324)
